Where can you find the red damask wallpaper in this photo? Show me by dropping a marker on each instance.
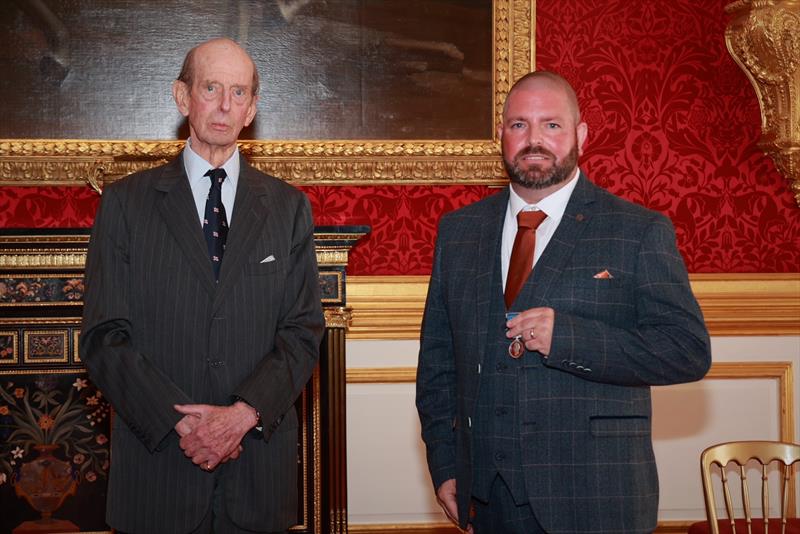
(673, 124)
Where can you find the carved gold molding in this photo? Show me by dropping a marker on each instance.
(72, 162)
(31, 251)
(763, 37)
(381, 375)
(337, 317)
(780, 371)
(390, 307)
(42, 259)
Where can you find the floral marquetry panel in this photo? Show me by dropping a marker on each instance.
(54, 452)
(46, 346)
(38, 289)
(9, 348)
(33, 345)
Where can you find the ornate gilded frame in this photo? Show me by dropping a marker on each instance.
(763, 40)
(69, 162)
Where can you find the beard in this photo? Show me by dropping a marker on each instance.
(538, 178)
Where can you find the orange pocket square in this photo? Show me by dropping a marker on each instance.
(603, 274)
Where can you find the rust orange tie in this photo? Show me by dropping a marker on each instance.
(521, 264)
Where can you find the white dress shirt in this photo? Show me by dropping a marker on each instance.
(553, 205)
(196, 168)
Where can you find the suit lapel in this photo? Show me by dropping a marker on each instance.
(491, 232)
(577, 217)
(248, 223)
(179, 212)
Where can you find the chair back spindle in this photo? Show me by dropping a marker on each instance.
(741, 453)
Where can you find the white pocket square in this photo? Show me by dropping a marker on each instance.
(268, 259)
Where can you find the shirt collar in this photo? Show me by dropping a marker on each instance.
(553, 204)
(196, 167)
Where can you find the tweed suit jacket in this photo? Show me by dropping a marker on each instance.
(158, 331)
(584, 420)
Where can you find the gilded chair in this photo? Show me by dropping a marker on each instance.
(741, 453)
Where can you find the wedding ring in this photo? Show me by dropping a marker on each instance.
(208, 467)
(532, 333)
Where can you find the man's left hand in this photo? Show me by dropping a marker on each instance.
(535, 327)
(217, 433)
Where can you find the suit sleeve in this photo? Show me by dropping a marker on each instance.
(668, 343)
(436, 380)
(139, 392)
(281, 375)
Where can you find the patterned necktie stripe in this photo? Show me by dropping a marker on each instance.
(215, 222)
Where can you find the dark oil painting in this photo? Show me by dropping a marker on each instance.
(331, 69)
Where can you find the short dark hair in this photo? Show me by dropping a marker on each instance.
(187, 70)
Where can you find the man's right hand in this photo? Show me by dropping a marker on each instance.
(189, 423)
(446, 497)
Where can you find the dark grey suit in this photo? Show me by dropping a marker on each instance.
(158, 331)
(583, 414)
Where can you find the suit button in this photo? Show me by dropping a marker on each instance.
(500, 456)
(565, 363)
(587, 370)
(216, 363)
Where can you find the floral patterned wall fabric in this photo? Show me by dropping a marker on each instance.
(673, 125)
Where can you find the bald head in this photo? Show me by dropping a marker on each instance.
(189, 63)
(541, 135)
(217, 92)
(541, 79)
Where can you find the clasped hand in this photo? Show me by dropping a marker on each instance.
(211, 435)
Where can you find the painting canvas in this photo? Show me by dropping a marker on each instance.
(331, 69)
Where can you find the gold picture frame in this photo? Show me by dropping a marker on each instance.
(69, 162)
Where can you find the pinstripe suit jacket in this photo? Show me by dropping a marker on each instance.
(584, 412)
(158, 331)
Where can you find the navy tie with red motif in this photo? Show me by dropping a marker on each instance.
(215, 222)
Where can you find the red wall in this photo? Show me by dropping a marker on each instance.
(673, 124)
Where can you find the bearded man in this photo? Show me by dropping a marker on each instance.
(552, 308)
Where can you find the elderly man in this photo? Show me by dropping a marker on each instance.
(202, 321)
(552, 307)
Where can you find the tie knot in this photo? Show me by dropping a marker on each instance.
(217, 176)
(530, 219)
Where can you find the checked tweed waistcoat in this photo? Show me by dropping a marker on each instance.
(497, 448)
